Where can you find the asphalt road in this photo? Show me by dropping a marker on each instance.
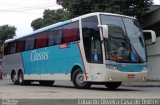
(66, 90)
(36, 94)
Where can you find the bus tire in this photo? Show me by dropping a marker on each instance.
(78, 80)
(46, 83)
(113, 85)
(21, 78)
(14, 78)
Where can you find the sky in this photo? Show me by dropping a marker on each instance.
(20, 13)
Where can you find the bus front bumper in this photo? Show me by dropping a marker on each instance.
(115, 75)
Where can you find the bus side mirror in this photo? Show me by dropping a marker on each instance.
(104, 30)
(152, 34)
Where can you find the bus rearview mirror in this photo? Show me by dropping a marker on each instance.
(104, 30)
(153, 36)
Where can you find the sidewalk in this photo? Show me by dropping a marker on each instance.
(147, 83)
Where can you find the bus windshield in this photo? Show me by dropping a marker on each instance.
(125, 42)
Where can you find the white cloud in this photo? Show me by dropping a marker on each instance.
(157, 2)
(20, 13)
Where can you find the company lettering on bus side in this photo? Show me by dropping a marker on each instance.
(39, 56)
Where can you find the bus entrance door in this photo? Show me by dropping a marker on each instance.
(96, 59)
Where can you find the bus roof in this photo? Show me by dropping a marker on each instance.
(63, 23)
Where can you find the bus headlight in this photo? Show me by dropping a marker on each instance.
(113, 67)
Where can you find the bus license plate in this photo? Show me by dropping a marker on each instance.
(131, 75)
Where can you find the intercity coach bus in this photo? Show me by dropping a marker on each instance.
(96, 48)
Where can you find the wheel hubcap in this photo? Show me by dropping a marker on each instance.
(20, 79)
(80, 80)
(14, 78)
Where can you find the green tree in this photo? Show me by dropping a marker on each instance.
(6, 32)
(37, 23)
(127, 7)
(50, 17)
(54, 16)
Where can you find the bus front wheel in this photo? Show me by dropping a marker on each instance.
(112, 85)
(78, 80)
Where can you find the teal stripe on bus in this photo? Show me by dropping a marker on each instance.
(52, 59)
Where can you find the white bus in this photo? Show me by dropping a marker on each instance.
(101, 48)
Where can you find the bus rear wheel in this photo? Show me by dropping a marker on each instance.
(78, 80)
(21, 78)
(113, 85)
(14, 78)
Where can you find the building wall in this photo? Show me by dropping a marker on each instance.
(152, 22)
(151, 18)
(153, 52)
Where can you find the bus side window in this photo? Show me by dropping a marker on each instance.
(12, 47)
(55, 36)
(70, 35)
(41, 40)
(29, 43)
(6, 48)
(71, 32)
(20, 44)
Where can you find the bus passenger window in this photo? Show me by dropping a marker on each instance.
(29, 43)
(20, 44)
(70, 35)
(55, 36)
(41, 40)
(71, 32)
(9, 48)
(6, 48)
(12, 47)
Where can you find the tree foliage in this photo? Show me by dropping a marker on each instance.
(50, 17)
(73, 8)
(37, 23)
(127, 7)
(6, 32)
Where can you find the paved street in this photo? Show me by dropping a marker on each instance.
(65, 90)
